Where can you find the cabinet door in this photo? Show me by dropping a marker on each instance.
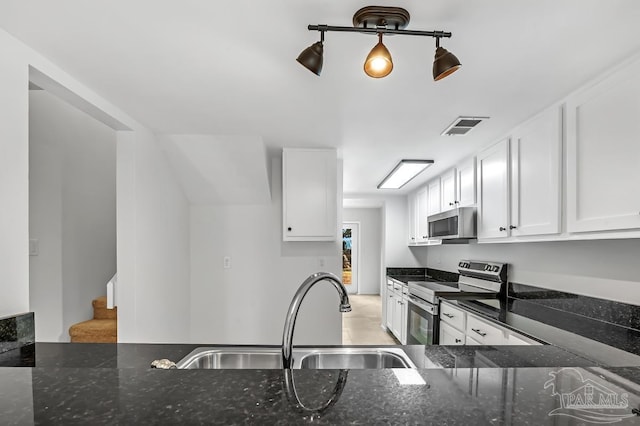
(396, 326)
(433, 205)
(450, 336)
(466, 183)
(403, 321)
(603, 154)
(493, 191)
(390, 309)
(309, 198)
(448, 190)
(536, 149)
(423, 213)
(412, 208)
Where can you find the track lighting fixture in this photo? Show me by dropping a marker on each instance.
(380, 20)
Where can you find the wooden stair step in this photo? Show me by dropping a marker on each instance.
(100, 310)
(95, 331)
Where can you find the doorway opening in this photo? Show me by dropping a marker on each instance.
(350, 255)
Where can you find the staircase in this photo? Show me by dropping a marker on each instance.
(103, 328)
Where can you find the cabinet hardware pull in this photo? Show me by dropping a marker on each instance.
(450, 204)
(458, 341)
(289, 229)
(512, 227)
(456, 202)
(447, 315)
(503, 228)
(479, 332)
(425, 236)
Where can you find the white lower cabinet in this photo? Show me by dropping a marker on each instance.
(461, 327)
(390, 308)
(396, 310)
(484, 332)
(449, 336)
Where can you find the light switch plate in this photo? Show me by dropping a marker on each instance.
(34, 248)
(227, 262)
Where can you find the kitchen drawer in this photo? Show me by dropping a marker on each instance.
(450, 336)
(452, 316)
(484, 332)
(397, 287)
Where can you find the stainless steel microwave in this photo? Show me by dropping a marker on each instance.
(459, 223)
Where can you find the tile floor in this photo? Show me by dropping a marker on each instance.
(361, 326)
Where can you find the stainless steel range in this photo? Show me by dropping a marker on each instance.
(478, 280)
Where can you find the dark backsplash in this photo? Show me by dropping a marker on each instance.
(610, 311)
(436, 274)
(439, 275)
(417, 272)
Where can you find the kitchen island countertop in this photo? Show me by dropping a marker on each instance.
(112, 384)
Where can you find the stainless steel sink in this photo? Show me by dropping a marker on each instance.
(231, 357)
(355, 358)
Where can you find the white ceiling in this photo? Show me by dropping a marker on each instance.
(228, 68)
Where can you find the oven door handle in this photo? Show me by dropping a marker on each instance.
(432, 309)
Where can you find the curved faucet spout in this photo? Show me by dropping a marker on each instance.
(292, 314)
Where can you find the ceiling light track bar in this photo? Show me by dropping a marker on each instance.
(378, 30)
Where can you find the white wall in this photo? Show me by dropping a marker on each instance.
(152, 212)
(153, 245)
(370, 247)
(248, 302)
(72, 213)
(14, 184)
(606, 269)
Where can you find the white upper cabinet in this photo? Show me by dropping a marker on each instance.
(493, 191)
(466, 183)
(603, 154)
(536, 168)
(309, 194)
(449, 199)
(434, 200)
(422, 224)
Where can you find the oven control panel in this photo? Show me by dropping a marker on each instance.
(483, 269)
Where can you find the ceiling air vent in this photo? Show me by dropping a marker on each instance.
(462, 125)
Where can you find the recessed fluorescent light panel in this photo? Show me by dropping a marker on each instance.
(403, 173)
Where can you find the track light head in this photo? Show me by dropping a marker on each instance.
(312, 57)
(378, 63)
(445, 62)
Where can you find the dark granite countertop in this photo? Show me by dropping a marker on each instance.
(600, 342)
(448, 396)
(112, 384)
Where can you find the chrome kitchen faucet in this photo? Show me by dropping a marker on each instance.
(292, 314)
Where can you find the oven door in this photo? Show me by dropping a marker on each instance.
(421, 322)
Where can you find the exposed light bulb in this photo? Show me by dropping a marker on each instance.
(378, 63)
